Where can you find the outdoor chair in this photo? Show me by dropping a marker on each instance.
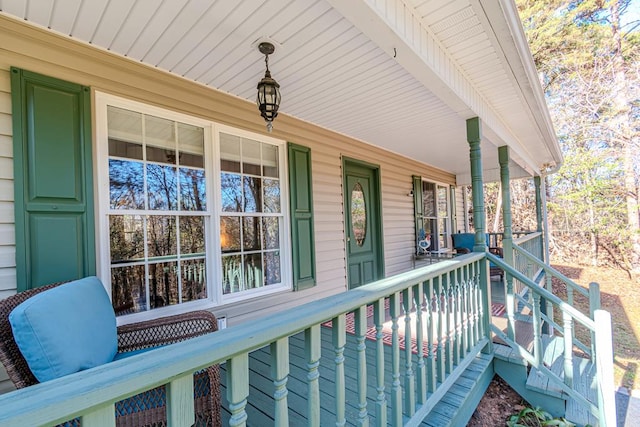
(463, 244)
(145, 409)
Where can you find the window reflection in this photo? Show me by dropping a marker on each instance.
(251, 233)
(191, 235)
(128, 289)
(252, 194)
(229, 233)
(126, 184)
(162, 187)
(126, 238)
(194, 280)
(232, 274)
(231, 192)
(192, 190)
(253, 276)
(358, 214)
(271, 195)
(161, 236)
(271, 232)
(272, 268)
(163, 284)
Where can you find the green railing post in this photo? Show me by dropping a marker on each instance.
(409, 378)
(280, 375)
(539, 221)
(381, 399)
(238, 389)
(180, 402)
(339, 338)
(312, 347)
(396, 387)
(431, 322)
(104, 416)
(361, 351)
(421, 373)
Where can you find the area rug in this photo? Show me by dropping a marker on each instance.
(497, 310)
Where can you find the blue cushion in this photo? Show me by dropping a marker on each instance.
(66, 329)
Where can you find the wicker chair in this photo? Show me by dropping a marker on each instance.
(147, 408)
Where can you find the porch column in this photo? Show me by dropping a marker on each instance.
(507, 237)
(537, 182)
(474, 136)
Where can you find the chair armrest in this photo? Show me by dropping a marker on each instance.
(497, 252)
(462, 250)
(165, 330)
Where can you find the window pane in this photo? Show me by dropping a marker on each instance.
(160, 137)
(229, 153)
(271, 232)
(194, 281)
(429, 199)
(443, 211)
(251, 233)
(192, 190)
(272, 268)
(253, 271)
(126, 126)
(231, 274)
(126, 237)
(129, 150)
(163, 284)
(191, 145)
(358, 214)
(252, 194)
(191, 235)
(128, 290)
(126, 184)
(271, 195)
(162, 187)
(229, 233)
(251, 157)
(231, 186)
(270, 160)
(161, 236)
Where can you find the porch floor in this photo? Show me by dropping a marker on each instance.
(260, 406)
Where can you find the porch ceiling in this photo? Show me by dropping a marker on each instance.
(400, 74)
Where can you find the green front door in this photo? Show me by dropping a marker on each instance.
(362, 223)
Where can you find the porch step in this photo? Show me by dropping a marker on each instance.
(552, 359)
(459, 403)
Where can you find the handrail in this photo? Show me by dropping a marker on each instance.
(91, 394)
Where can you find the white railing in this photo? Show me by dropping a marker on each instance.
(444, 306)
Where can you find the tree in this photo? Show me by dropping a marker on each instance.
(590, 72)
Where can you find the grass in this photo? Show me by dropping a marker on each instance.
(621, 297)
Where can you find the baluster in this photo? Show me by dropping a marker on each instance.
(457, 319)
(440, 310)
(381, 399)
(568, 348)
(409, 387)
(180, 401)
(396, 388)
(469, 305)
(449, 333)
(312, 348)
(431, 324)
(537, 328)
(238, 389)
(464, 312)
(339, 341)
(102, 416)
(480, 303)
(421, 373)
(474, 304)
(280, 374)
(510, 301)
(361, 350)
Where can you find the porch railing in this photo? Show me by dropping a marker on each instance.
(597, 322)
(446, 306)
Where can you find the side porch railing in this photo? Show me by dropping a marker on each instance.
(598, 322)
(445, 306)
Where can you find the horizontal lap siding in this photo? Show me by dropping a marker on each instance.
(56, 56)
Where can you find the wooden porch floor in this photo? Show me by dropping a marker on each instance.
(260, 406)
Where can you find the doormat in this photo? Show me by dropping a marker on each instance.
(497, 309)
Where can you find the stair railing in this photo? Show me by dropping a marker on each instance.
(604, 408)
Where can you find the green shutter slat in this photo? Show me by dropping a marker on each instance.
(418, 207)
(302, 235)
(53, 179)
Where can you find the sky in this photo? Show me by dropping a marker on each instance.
(632, 14)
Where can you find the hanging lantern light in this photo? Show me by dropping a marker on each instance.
(268, 89)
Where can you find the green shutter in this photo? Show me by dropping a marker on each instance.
(303, 247)
(418, 208)
(53, 179)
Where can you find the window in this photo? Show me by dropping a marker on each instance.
(433, 216)
(194, 211)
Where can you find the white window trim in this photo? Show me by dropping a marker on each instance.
(449, 217)
(212, 131)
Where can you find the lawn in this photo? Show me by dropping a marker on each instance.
(621, 297)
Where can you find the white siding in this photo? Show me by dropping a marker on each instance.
(64, 59)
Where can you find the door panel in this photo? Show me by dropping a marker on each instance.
(362, 223)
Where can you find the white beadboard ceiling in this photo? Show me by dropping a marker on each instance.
(400, 74)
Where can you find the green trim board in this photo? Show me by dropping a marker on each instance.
(302, 230)
(54, 210)
(364, 243)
